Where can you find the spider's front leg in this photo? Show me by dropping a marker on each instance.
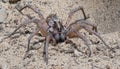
(47, 41)
(30, 37)
(46, 48)
(75, 33)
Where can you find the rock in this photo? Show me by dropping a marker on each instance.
(3, 15)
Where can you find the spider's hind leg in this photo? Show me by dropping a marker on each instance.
(95, 33)
(70, 15)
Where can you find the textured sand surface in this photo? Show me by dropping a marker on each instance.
(104, 13)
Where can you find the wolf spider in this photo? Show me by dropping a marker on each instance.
(54, 31)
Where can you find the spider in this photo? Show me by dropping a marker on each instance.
(54, 31)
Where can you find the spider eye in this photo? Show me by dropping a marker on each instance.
(59, 29)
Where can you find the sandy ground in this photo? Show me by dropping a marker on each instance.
(12, 50)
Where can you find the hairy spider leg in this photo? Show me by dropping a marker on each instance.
(72, 13)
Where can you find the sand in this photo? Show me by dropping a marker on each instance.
(13, 49)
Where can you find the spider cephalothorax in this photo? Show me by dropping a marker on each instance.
(56, 28)
(53, 29)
